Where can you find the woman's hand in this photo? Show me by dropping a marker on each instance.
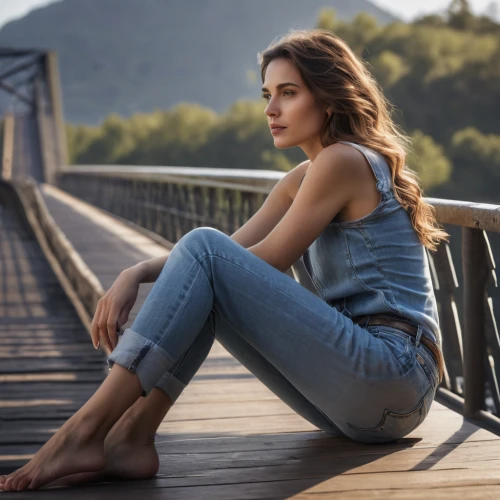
(114, 307)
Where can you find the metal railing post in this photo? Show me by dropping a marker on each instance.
(475, 280)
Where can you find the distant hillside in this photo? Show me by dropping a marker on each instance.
(127, 56)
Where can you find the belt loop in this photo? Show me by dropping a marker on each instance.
(419, 335)
(367, 321)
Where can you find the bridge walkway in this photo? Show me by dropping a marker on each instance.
(229, 437)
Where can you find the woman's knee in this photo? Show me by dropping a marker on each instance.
(204, 240)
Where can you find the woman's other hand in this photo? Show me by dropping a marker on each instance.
(114, 307)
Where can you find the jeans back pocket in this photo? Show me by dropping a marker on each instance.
(391, 426)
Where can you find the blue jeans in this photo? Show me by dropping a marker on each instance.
(369, 384)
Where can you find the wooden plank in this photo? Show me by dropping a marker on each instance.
(44, 365)
(296, 489)
(45, 352)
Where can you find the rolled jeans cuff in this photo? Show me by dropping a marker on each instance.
(142, 357)
(171, 385)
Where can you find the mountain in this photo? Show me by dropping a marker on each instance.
(128, 56)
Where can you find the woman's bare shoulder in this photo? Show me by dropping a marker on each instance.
(295, 176)
(346, 153)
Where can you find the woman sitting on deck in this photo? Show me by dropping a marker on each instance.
(361, 361)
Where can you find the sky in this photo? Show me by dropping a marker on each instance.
(405, 9)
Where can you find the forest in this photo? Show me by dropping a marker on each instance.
(441, 74)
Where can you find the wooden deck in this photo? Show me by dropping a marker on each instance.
(228, 436)
(47, 368)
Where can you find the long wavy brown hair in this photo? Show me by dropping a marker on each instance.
(360, 113)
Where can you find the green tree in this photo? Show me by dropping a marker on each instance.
(428, 160)
(389, 68)
(476, 157)
(460, 15)
(108, 143)
(186, 135)
(176, 136)
(358, 33)
(327, 20)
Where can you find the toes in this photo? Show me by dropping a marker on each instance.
(3, 479)
(15, 482)
(35, 483)
(11, 479)
(23, 483)
(8, 484)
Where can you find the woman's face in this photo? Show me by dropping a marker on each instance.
(291, 104)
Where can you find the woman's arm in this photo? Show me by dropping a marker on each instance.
(148, 271)
(252, 232)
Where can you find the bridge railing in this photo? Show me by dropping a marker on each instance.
(170, 201)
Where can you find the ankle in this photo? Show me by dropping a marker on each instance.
(139, 425)
(76, 431)
(126, 427)
(129, 430)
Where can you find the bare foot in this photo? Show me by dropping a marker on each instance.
(72, 449)
(128, 456)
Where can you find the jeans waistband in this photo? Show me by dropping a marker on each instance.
(414, 330)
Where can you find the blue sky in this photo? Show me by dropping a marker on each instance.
(406, 9)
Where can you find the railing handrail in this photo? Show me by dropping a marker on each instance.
(188, 171)
(266, 178)
(467, 213)
(457, 212)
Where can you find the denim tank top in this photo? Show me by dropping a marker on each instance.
(375, 264)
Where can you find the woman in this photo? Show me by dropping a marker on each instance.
(361, 361)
